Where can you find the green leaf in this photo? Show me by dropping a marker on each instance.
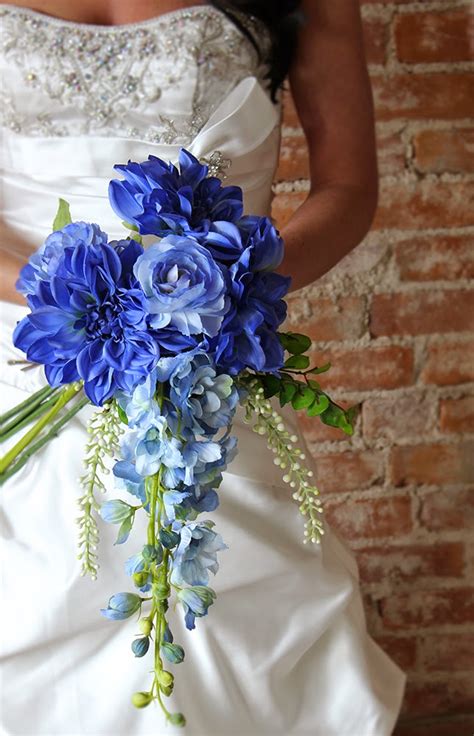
(124, 530)
(297, 362)
(303, 398)
(271, 385)
(314, 384)
(294, 342)
(63, 215)
(123, 417)
(319, 406)
(334, 416)
(128, 226)
(287, 391)
(316, 371)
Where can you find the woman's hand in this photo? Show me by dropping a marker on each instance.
(332, 94)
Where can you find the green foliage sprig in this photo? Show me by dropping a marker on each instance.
(307, 393)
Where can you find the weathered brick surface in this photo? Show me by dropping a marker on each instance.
(434, 36)
(422, 313)
(435, 258)
(437, 151)
(396, 321)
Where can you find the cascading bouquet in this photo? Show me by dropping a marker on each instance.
(166, 340)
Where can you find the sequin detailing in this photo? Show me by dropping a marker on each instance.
(127, 81)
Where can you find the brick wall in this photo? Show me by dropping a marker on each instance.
(396, 318)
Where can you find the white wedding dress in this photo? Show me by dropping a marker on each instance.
(284, 649)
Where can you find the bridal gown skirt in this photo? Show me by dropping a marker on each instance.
(283, 650)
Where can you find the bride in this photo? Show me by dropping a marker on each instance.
(85, 85)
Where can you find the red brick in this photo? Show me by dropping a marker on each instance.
(449, 694)
(445, 510)
(449, 363)
(435, 464)
(441, 95)
(447, 652)
(462, 725)
(284, 205)
(341, 319)
(435, 257)
(370, 518)
(315, 431)
(422, 312)
(366, 368)
(410, 562)
(434, 36)
(457, 415)
(348, 471)
(437, 151)
(402, 649)
(428, 608)
(391, 153)
(294, 159)
(396, 417)
(376, 35)
(417, 205)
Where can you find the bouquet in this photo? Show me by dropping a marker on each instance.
(166, 341)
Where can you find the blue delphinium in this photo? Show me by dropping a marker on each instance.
(196, 553)
(206, 400)
(88, 321)
(159, 199)
(195, 601)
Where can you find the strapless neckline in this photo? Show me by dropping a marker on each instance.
(162, 19)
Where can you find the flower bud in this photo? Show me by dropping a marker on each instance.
(140, 578)
(140, 646)
(166, 690)
(145, 625)
(165, 678)
(141, 699)
(177, 719)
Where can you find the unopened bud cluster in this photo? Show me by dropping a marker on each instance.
(269, 422)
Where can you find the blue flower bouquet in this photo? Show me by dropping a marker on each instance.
(166, 341)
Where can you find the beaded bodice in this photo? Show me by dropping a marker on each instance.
(157, 80)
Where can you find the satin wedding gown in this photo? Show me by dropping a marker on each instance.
(284, 649)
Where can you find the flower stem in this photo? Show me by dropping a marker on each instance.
(22, 420)
(32, 449)
(28, 403)
(65, 396)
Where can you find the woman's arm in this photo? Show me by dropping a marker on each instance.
(10, 265)
(331, 90)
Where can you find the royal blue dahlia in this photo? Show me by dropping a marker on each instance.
(44, 262)
(159, 199)
(89, 321)
(248, 335)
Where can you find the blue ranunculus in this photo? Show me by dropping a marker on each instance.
(159, 200)
(195, 601)
(121, 606)
(88, 321)
(196, 553)
(185, 287)
(45, 261)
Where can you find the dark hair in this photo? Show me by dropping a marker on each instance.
(282, 18)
